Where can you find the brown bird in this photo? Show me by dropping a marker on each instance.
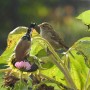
(23, 46)
(48, 33)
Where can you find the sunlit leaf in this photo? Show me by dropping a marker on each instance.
(19, 30)
(83, 47)
(37, 46)
(12, 40)
(53, 85)
(78, 65)
(34, 33)
(85, 17)
(54, 73)
(78, 69)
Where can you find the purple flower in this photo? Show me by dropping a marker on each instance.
(23, 65)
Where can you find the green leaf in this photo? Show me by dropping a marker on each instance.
(46, 62)
(88, 88)
(35, 48)
(78, 69)
(13, 37)
(54, 73)
(85, 17)
(29, 82)
(12, 40)
(19, 30)
(83, 48)
(20, 85)
(53, 85)
(1, 82)
(38, 48)
(78, 66)
(41, 53)
(3, 66)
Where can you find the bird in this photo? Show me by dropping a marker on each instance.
(48, 33)
(24, 44)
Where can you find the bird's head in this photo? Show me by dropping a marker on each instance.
(45, 26)
(32, 25)
(30, 28)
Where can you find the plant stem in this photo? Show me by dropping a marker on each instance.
(20, 79)
(60, 65)
(65, 72)
(87, 79)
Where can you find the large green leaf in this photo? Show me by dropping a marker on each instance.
(78, 65)
(53, 72)
(78, 69)
(85, 17)
(83, 48)
(39, 49)
(12, 40)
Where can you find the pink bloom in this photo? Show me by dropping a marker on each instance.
(23, 64)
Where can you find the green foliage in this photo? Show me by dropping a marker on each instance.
(1, 82)
(21, 85)
(13, 37)
(83, 48)
(78, 69)
(65, 73)
(85, 17)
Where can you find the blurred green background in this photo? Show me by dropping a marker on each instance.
(60, 13)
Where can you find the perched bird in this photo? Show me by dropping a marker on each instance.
(23, 46)
(48, 33)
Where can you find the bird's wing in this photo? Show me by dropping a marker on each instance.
(21, 49)
(57, 39)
